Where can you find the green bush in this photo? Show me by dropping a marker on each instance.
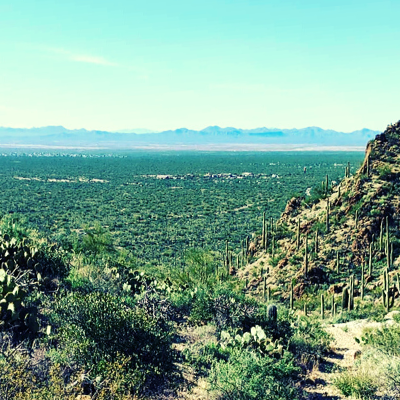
(386, 339)
(97, 328)
(248, 375)
(309, 341)
(359, 385)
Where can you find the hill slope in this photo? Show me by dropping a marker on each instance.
(359, 209)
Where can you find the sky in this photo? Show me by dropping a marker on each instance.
(167, 64)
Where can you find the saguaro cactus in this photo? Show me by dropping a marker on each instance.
(381, 236)
(362, 286)
(306, 256)
(345, 299)
(264, 287)
(227, 258)
(316, 248)
(291, 300)
(351, 294)
(326, 184)
(272, 312)
(298, 234)
(263, 232)
(337, 261)
(387, 294)
(322, 306)
(370, 260)
(327, 216)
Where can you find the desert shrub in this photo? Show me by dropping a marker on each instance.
(309, 341)
(384, 172)
(19, 381)
(96, 329)
(232, 310)
(385, 338)
(201, 307)
(248, 375)
(359, 384)
(201, 358)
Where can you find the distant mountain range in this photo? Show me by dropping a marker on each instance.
(212, 135)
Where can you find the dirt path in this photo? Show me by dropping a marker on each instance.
(345, 350)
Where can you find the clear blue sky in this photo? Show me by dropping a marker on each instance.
(165, 64)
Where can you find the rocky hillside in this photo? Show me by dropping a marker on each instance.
(343, 235)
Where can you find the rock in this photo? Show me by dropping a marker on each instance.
(282, 263)
(298, 290)
(337, 288)
(351, 355)
(390, 315)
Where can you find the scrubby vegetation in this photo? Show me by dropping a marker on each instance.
(129, 289)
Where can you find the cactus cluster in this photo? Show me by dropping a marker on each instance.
(256, 339)
(13, 312)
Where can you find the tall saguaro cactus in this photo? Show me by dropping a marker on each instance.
(291, 296)
(337, 261)
(351, 294)
(298, 234)
(306, 256)
(387, 294)
(326, 184)
(387, 244)
(370, 260)
(327, 216)
(322, 306)
(263, 233)
(362, 285)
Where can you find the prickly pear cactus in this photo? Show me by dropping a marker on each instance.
(13, 313)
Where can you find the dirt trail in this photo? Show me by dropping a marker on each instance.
(345, 351)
